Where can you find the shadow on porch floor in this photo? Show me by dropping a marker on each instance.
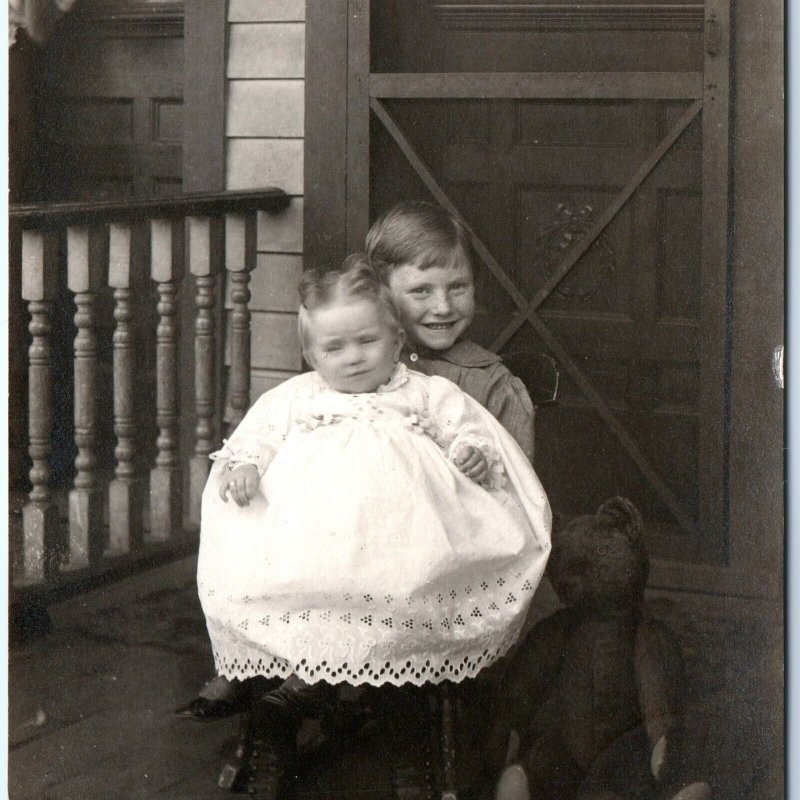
(90, 714)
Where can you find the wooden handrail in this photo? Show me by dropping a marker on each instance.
(55, 215)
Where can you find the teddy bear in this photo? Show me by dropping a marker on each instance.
(591, 702)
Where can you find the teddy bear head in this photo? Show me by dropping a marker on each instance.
(599, 560)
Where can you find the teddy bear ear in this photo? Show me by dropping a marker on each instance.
(621, 513)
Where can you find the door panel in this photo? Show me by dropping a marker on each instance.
(115, 120)
(540, 170)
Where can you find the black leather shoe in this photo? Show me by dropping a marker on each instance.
(201, 709)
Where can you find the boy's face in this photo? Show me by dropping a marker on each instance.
(436, 305)
(352, 346)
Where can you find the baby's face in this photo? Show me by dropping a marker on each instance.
(352, 346)
(436, 305)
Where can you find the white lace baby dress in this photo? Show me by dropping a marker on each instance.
(367, 557)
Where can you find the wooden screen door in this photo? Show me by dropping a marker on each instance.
(586, 149)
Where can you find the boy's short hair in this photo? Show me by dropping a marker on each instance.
(355, 279)
(419, 233)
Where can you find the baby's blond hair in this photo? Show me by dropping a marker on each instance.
(355, 279)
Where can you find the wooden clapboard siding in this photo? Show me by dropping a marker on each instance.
(273, 342)
(253, 163)
(265, 108)
(272, 50)
(283, 233)
(267, 10)
(265, 124)
(274, 282)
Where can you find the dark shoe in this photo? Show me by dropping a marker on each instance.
(238, 697)
(297, 699)
(272, 761)
(201, 709)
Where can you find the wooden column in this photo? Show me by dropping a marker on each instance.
(39, 517)
(87, 250)
(205, 56)
(240, 260)
(167, 272)
(124, 492)
(325, 157)
(206, 247)
(358, 115)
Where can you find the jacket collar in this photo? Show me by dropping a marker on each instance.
(464, 353)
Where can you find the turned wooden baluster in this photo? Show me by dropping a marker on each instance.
(87, 251)
(240, 260)
(206, 247)
(125, 491)
(39, 517)
(166, 248)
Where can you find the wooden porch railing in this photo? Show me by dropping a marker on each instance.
(112, 519)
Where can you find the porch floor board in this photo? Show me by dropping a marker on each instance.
(90, 703)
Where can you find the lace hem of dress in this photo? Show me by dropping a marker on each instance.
(239, 660)
(450, 634)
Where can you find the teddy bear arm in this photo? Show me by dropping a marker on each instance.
(660, 681)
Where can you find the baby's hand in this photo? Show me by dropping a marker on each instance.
(472, 462)
(241, 482)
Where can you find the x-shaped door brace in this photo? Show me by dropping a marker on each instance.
(527, 309)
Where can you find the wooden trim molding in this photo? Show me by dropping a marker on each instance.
(538, 85)
(532, 15)
(129, 18)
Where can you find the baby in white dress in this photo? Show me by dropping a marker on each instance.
(366, 523)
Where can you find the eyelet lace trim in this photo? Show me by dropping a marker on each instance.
(448, 635)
